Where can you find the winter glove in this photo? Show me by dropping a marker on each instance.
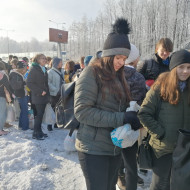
(131, 118)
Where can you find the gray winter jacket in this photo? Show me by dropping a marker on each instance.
(55, 80)
(97, 117)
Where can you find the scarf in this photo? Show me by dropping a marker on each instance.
(42, 67)
(182, 85)
(166, 62)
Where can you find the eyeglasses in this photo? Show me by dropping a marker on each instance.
(43, 58)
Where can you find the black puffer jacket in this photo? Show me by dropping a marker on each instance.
(152, 68)
(136, 84)
(37, 82)
(17, 83)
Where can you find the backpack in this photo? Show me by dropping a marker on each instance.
(151, 73)
(65, 108)
(152, 69)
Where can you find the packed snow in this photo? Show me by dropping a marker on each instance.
(28, 164)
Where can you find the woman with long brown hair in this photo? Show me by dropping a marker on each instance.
(100, 102)
(166, 109)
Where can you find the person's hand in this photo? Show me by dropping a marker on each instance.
(131, 118)
(43, 93)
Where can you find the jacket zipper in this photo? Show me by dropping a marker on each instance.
(119, 111)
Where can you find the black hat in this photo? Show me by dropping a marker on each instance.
(20, 65)
(117, 42)
(179, 57)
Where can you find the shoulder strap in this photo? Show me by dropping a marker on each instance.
(149, 64)
(59, 75)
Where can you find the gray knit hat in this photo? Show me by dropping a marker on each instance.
(117, 42)
(56, 62)
(134, 54)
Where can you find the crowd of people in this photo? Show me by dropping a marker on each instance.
(105, 85)
(34, 83)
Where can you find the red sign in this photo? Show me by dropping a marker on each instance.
(56, 35)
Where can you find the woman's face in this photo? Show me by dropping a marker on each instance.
(42, 60)
(183, 71)
(66, 67)
(119, 61)
(162, 53)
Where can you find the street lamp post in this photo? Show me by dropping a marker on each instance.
(58, 44)
(7, 38)
(57, 23)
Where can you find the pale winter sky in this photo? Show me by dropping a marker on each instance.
(29, 18)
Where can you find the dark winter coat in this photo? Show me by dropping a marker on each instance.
(4, 82)
(97, 117)
(152, 68)
(17, 83)
(37, 82)
(136, 84)
(170, 118)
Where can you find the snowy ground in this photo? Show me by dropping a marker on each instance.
(28, 164)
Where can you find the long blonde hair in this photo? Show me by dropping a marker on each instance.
(168, 84)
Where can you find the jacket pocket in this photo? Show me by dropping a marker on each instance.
(103, 135)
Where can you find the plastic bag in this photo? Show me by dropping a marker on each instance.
(31, 119)
(49, 115)
(10, 113)
(124, 136)
(69, 142)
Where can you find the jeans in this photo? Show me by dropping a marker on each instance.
(130, 164)
(100, 171)
(3, 112)
(40, 109)
(23, 119)
(161, 172)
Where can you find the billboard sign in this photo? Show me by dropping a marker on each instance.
(56, 35)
